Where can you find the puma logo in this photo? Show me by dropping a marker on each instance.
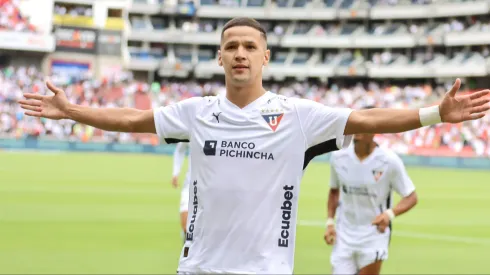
(217, 116)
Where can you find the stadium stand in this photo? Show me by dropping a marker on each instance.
(12, 19)
(337, 52)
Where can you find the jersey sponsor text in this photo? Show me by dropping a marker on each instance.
(286, 208)
(190, 230)
(243, 150)
(358, 191)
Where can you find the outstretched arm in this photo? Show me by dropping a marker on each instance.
(114, 119)
(57, 106)
(453, 109)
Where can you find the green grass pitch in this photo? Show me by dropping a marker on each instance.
(117, 214)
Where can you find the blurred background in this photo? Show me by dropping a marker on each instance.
(74, 199)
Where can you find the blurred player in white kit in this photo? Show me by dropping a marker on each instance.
(178, 161)
(362, 179)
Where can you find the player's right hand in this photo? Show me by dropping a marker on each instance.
(456, 109)
(330, 235)
(175, 182)
(48, 106)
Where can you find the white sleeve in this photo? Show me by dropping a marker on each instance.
(179, 157)
(401, 182)
(321, 123)
(173, 122)
(334, 179)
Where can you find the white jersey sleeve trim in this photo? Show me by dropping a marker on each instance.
(174, 122)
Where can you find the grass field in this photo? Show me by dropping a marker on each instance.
(117, 214)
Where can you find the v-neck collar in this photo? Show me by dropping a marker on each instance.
(227, 104)
(365, 160)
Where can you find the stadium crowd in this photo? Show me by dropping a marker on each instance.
(12, 19)
(120, 89)
(73, 11)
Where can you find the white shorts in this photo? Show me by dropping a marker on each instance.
(184, 197)
(346, 259)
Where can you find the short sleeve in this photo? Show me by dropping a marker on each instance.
(322, 124)
(401, 182)
(174, 122)
(334, 179)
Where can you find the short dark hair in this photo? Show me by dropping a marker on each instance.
(244, 22)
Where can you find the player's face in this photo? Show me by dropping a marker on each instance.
(242, 54)
(363, 138)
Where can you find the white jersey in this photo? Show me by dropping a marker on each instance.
(365, 192)
(247, 164)
(178, 160)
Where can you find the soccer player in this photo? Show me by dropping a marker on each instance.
(179, 156)
(362, 179)
(248, 152)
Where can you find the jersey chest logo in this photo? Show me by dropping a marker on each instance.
(377, 173)
(273, 119)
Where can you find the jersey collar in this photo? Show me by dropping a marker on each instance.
(250, 108)
(353, 155)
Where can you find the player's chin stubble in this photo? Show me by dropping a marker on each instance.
(241, 78)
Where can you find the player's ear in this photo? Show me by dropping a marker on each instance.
(220, 62)
(267, 57)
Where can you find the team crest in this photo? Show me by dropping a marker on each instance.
(377, 174)
(273, 120)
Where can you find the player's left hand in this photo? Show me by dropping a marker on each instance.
(455, 109)
(382, 221)
(175, 182)
(330, 235)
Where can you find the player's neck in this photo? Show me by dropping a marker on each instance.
(363, 150)
(242, 96)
